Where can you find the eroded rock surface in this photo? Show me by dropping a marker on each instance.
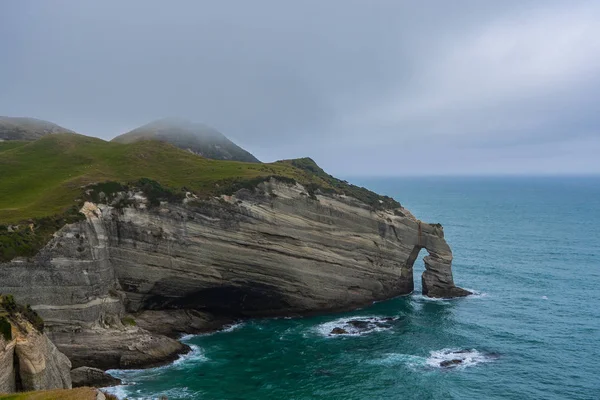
(30, 361)
(271, 252)
(94, 377)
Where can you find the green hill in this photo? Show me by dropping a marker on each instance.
(20, 128)
(43, 183)
(45, 177)
(194, 137)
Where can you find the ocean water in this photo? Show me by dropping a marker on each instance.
(528, 247)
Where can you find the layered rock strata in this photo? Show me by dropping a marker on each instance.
(29, 360)
(86, 376)
(270, 252)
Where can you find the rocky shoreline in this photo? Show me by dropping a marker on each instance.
(117, 288)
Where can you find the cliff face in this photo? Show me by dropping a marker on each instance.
(271, 252)
(29, 360)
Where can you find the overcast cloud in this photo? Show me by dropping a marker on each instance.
(363, 87)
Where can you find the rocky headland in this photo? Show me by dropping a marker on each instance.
(121, 247)
(116, 287)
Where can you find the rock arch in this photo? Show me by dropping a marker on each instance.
(437, 278)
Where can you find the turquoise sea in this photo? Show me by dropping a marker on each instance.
(528, 247)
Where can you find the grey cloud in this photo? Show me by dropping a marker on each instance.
(365, 88)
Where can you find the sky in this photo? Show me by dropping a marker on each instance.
(365, 88)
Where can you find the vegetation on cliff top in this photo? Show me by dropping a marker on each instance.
(43, 183)
(11, 310)
(373, 199)
(46, 177)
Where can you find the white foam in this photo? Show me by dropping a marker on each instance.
(423, 298)
(118, 391)
(468, 358)
(410, 360)
(545, 297)
(179, 393)
(129, 376)
(225, 328)
(475, 294)
(193, 357)
(187, 337)
(325, 328)
(232, 327)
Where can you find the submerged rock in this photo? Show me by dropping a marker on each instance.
(358, 326)
(361, 325)
(451, 358)
(451, 363)
(87, 376)
(338, 331)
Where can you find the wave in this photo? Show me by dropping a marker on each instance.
(121, 392)
(192, 357)
(232, 327)
(225, 328)
(444, 300)
(476, 294)
(178, 393)
(130, 376)
(409, 360)
(422, 298)
(457, 358)
(445, 359)
(356, 325)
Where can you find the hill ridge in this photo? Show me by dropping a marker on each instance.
(26, 128)
(198, 138)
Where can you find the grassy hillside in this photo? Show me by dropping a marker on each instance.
(83, 393)
(45, 177)
(11, 144)
(42, 183)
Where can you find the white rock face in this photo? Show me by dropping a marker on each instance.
(266, 253)
(7, 370)
(30, 361)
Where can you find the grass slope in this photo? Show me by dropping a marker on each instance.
(42, 183)
(11, 144)
(83, 393)
(45, 177)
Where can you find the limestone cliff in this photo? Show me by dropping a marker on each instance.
(28, 359)
(274, 251)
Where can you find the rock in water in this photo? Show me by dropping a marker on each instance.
(87, 376)
(360, 324)
(451, 363)
(338, 331)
